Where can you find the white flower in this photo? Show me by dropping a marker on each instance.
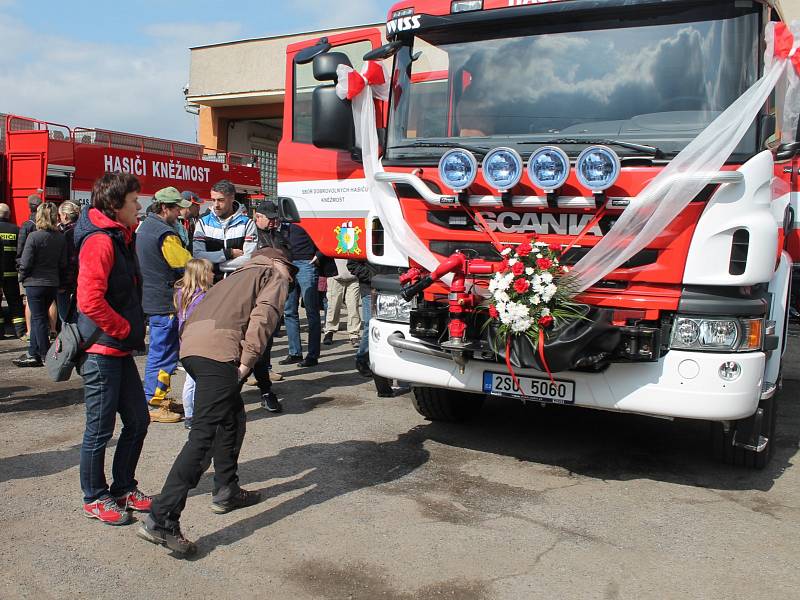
(506, 251)
(536, 281)
(502, 296)
(541, 244)
(545, 312)
(530, 271)
(547, 277)
(521, 325)
(512, 262)
(535, 300)
(539, 256)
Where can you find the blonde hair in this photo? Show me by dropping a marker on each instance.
(46, 217)
(70, 210)
(197, 278)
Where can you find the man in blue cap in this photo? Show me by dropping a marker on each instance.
(162, 259)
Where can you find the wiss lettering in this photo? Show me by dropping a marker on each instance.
(563, 224)
(402, 24)
(173, 169)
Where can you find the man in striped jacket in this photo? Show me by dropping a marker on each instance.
(225, 235)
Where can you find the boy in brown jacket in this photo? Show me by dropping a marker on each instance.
(220, 343)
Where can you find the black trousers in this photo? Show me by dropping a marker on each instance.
(40, 297)
(16, 312)
(261, 370)
(218, 428)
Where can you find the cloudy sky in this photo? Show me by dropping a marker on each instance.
(123, 65)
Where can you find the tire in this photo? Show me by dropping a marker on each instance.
(437, 404)
(726, 452)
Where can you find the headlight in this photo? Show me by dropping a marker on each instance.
(730, 334)
(457, 169)
(597, 168)
(502, 169)
(548, 168)
(391, 307)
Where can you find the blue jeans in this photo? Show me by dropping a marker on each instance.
(112, 385)
(162, 356)
(362, 354)
(306, 284)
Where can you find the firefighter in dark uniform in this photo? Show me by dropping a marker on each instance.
(8, 234)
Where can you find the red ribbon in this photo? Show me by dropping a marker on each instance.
(372, 74)
(784, 40)
(541, 355)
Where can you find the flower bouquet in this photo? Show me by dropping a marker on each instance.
(530, 295)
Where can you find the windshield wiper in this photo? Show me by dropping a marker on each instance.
(473, 149)
(656, 152)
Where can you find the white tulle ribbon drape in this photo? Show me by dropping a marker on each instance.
(657, 204)
(673, 189)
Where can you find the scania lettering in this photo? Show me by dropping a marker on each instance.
(499, 119)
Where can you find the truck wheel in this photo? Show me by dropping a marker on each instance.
(725, 451)
(438, 404)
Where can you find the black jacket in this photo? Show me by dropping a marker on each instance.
(365, 271)
(274, 238)
(44, 259)
(9, 232)
(25, 230)
(158, 278)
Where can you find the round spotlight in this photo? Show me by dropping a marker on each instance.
(730, 370)
(502, 169)
(548, 168)
(597, 168)
(457, 169)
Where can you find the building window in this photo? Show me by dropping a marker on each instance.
(268, 161)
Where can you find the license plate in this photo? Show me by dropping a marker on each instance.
(530, 388)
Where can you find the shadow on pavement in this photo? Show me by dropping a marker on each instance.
(324, 471)
(617, 446)
(45, 401)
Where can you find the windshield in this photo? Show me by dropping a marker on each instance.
(657, 81)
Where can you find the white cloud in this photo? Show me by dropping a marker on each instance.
(135, 88)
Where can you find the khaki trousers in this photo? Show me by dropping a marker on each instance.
(340, 294)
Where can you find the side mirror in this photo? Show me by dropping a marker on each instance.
(287, 209)
(331, 117)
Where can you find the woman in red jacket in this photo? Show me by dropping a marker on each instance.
(110, 300)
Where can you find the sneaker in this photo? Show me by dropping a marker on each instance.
(252, 382)
(106, 510)
(291, 359)
(242, 499)
(327, 340)
(363, 369)
(187, 422)
(270, 402)
(164, 415)
(135, 500)
(273, 376)
(171, 537)
(308, 362)
(27, 361)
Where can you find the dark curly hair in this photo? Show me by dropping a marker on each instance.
(109, 191)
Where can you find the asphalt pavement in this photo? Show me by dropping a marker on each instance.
(364, 499)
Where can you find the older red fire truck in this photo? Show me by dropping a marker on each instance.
(62, 163)
(597, 98)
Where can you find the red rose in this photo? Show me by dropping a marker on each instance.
(524, 249)
(522, 285)
(555, 247)
(544, 263)
(546, 321)
(533, 238)
(493, 311)
(518, 268)
(503, 265)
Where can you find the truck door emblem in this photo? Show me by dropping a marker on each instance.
(347, 238)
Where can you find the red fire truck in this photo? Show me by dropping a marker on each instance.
(62, 163)
(616, 88)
